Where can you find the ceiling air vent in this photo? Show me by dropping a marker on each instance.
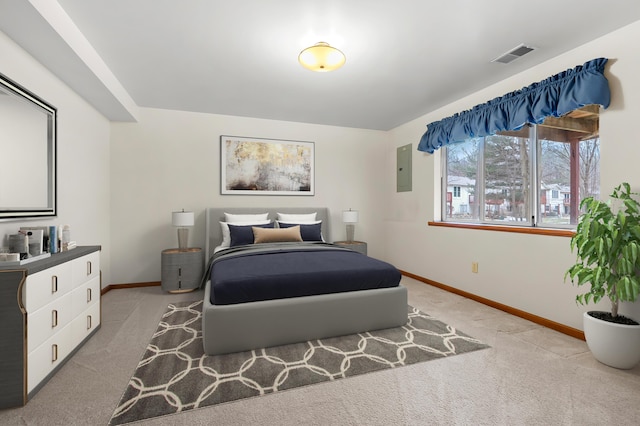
(513, 54)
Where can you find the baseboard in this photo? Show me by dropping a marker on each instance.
(570, 331)
(132, 285)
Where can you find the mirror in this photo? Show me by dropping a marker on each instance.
(27, 153)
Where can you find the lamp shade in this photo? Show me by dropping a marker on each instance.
(182, 218)
(321, 57)
(350, 216)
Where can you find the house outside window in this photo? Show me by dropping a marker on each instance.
(456, 191)
(535, 176)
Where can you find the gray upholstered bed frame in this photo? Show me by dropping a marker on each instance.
(254, 325)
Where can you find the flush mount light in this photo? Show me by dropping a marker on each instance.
(321, 57)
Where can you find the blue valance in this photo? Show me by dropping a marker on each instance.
(554, 96)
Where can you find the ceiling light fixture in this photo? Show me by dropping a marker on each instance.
(321, 57)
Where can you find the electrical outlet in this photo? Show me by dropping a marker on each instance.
(474, 267)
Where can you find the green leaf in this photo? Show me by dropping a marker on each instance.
(621, 218)
(585, 276)
(633, 255)
(628, 290)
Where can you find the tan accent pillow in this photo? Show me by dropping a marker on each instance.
(276, 235)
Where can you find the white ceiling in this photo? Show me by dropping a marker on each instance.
(405, 58)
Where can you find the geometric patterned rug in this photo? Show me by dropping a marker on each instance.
(175, 375)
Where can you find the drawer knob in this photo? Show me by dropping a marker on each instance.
(54, 284)
(88, 267)
(54, 352)
(54, 318)
(89, 322)
(88, 295)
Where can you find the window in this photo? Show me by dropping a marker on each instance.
(532, 177)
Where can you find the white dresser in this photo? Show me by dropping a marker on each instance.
(59, 299)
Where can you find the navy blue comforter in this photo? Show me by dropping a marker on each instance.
(282, 270)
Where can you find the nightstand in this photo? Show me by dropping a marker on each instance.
(359, 246)
(182, 269)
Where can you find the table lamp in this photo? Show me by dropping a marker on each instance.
(182, 220)
(350, 217)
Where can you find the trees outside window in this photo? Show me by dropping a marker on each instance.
(532, 177)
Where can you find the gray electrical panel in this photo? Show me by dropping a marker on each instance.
(403, 161)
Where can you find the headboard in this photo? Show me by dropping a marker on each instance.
(216, 215)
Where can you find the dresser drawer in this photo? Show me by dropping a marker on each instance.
(85, 296)
(43, 359)
(85, 268)
(45, 286)
(85, 323)
(48, 320)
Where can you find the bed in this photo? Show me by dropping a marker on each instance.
(232, 323)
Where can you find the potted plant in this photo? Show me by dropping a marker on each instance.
(607, 245)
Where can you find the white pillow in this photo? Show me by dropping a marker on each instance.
(231, 217)
(297, 218)
(226, 236)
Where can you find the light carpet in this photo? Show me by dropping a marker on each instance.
(175, 375)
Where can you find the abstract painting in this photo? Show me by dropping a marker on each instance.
(255, 166)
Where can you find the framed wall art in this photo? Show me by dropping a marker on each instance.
(256, 166)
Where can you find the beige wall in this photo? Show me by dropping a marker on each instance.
(170, 160)
(83, 155)
(523, 271)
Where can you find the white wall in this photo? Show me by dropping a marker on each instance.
(170, 160)
(522, 271)
(83, 155)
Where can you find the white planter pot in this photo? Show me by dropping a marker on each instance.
(616, 345)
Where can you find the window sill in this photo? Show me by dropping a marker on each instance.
(505, 228)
